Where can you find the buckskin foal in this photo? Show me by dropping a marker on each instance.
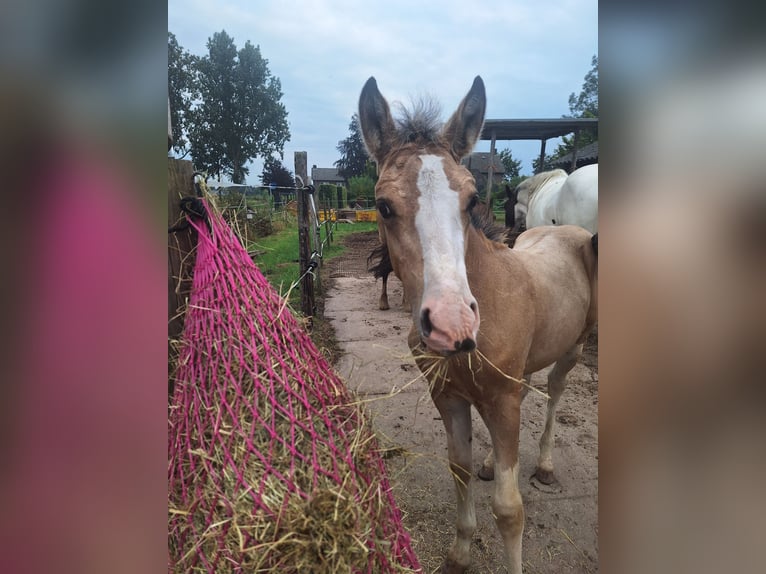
(538, 300)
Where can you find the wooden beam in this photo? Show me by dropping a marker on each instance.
(304, 249)
(542, 156)
(573, 166)
(181, 246)
(490, 169)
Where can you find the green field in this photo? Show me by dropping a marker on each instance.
(277, 254)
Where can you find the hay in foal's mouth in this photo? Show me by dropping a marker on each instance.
(273, 465)
(435, 368)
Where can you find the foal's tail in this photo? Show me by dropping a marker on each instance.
(594, 244)
(383, 266)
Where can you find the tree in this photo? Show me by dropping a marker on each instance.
(547, 165)
(584, 105)
(180, 88)
(354, 160)
(275, 172)
(361, 187)
(512, 166)
(240, 116)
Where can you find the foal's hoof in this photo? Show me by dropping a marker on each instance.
(452, 567)
(486, 472)
(383, 306)
(546, 482)
(545, 476)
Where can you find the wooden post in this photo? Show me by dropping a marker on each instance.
(491, 168)
(328, 225)
(316, 236)
(574, 151)
(181, 245)
(542, 156)
(304, 249)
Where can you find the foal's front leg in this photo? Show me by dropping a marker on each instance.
(502, 417)
(487, 470)
(456, 415)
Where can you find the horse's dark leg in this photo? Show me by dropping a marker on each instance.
(384, 294)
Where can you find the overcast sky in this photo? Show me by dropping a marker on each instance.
(531, 55)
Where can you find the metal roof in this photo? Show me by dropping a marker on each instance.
(586, 152)
(541, 129)
(326, 174)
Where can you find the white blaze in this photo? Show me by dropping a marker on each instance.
(439, 228)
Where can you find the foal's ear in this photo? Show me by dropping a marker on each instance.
(464, 127)
(375, 121)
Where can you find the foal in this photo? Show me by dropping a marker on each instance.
(538, 300)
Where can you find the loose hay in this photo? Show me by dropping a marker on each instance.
(273, 466)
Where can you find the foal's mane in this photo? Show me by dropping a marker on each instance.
(420, 125)
(481, 220)
(535, 182)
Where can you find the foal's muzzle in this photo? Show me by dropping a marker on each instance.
(449, 328)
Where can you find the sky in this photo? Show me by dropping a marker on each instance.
(531, 54)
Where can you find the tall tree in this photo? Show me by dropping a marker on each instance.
(275, 172)
(240, 116)
(512, 166)
(582, 105)
(354, 160)
(585, 105)
(180, 89)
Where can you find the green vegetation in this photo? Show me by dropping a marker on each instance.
(226, 107)
(277, 254)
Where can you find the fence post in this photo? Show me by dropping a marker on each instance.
(304, 250)
(180, 245)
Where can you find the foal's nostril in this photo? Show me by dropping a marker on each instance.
(466, 345)
(474, 307)
(425, 322)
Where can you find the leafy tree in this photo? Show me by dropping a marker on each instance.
(583, 105)
(547, 165)
(512, 166)
(354, 160)
(180, 89)
(361, 187)
(275, 172)
(240, 115)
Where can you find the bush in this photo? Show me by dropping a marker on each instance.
(361, 187)
(250, 219)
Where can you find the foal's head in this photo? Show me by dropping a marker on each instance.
(424, 198)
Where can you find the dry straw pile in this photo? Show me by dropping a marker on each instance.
(273, 466)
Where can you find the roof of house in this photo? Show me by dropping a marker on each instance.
(587, 152)
(479, 161)
(326, 174)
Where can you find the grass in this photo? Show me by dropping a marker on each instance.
(277, 255)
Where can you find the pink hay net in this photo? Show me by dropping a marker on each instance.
(259, 420)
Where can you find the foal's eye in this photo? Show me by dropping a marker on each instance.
(384, 209)
(473, 202)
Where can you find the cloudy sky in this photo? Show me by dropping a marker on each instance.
(531, 54)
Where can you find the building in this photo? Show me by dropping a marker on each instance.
(478, 164)
(586, 155)
(320, 175)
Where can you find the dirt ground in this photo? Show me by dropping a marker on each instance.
(561, 530)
